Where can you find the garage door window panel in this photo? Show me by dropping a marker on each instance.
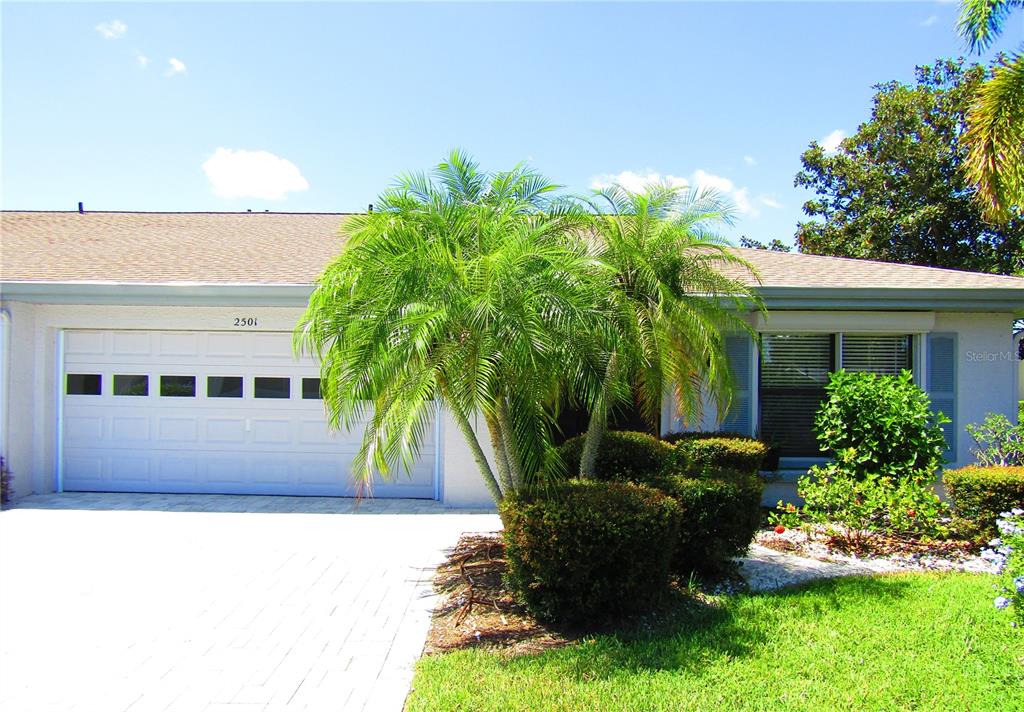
(270, 387)
(131, 385)
(178, 386)
(84, 384)
(224, 386)
(311, 389)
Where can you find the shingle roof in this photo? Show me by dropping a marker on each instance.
(208, 248)
(293, 248)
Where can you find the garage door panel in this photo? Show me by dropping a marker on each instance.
(180, 430)
(131, 429)
(225, 430)
(231, 445)
(130, 468)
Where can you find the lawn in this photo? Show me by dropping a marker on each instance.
(910, 641)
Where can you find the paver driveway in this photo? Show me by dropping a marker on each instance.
(178, 602)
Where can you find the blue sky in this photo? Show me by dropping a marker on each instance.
(316, 106)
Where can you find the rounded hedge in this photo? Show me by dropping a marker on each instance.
(720, 515)
(588, 550)
(623, 456)
(697, 452)
(980, 494)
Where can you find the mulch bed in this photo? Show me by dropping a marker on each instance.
(477, 611)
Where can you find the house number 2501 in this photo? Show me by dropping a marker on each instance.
(246, 321)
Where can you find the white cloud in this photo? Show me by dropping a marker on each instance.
(699, 179)
(113, 30)
(636, 182)
(749, 160)
(142, 59)
(929, 21)
(831, 142)
(769, 201)
(177, 67)
(252, 174)
(740, 197)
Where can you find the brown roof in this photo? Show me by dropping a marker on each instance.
(208, 248)
(293, 248)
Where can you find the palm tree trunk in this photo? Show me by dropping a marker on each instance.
(598, 421)
(515, 466)
(478, 454)
(498, 438)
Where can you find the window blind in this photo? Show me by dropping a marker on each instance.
(794, 372)
(882, 354)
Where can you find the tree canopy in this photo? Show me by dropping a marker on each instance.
(897, 190)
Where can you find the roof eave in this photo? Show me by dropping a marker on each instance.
(166, 294)
(989, 299)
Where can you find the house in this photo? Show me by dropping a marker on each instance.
(152, 352)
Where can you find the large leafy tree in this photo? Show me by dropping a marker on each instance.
(897, 190)
(675, 287)
(464, 288)
(995, 134)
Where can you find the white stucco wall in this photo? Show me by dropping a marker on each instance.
(987, 371)
(32, 397)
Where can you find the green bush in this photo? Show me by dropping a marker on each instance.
(1000, 443)
(833, 495)
(880, 425)
(6, 483)
(697, 452)
(586, 551)
(623, 456)
(720, 515)
(980, 494)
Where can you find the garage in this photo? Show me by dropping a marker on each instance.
(215, 412)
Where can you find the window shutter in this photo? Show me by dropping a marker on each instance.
(885, 355)
(942, 385)
(739, 419)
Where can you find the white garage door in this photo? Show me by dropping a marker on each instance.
(206, 412)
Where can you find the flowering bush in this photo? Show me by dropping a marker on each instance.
(1006, 554)
(847, 506)
(999, 442)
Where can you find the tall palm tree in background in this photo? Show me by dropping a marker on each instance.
(675, 288)
(995, 133)
(464, 288)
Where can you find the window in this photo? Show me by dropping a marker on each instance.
(311, 389)
(84, 384)
(794, 372)
(272, 387)
(224, 386)
(178, 386)
(131, 385)
(888, 354)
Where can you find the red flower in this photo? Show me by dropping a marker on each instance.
(911, 513)
(780, 529)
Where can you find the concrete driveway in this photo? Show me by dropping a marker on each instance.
(178, 602)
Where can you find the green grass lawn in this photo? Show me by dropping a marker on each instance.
(913, 641)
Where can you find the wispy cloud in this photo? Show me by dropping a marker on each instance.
(142, 59)
(769, 202)
(636, 182)
(700, 179)
(929, 21)
(831, 142)
(113, 30)
(176, 67)
(252, 174)
(749, 160)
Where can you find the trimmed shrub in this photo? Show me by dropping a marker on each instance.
(697, 452)
(720, 515)
(624, 456)
(586, 551)
(980, 494)
(6, 483)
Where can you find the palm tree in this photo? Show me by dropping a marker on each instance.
(995, 123)
(671, 299)
(464, 288)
